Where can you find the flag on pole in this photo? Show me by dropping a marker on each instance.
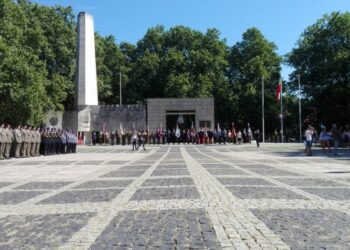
(279, 91)
(121, 129)
(177, 132)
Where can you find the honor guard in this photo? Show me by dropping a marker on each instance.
(2, 141)
(24, 139)
(29, 141)
(18, 140)
(9, 140)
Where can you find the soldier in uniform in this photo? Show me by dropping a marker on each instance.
(18, 140)
(58, 141)
(33, 142)
(112, 137)
(29, 141)
(45, 141)
(8, 141)
(24, 139)
(123, 139)
(117, 137)
(2, 141)
(64, 142)
(38, 141)
(69, 142)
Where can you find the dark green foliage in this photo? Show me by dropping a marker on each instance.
(322, 59)
(37, 60)
(250, 60)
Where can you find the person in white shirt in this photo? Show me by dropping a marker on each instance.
(134, 140)
(308, 135)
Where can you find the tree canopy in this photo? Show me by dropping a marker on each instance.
(322, 59)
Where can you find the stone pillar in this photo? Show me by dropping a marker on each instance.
(86, 92)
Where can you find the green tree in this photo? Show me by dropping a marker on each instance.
(322, 59)
(110, 61)
(250, 60)
(37, 55)
(179, 62)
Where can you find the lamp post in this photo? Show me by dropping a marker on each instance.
(263, 108)
(300, 133)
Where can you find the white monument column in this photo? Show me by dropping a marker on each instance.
(87, 78)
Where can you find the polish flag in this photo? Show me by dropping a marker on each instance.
(279, 91)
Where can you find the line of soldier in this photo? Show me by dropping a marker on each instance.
(27, 141)
(163, 136)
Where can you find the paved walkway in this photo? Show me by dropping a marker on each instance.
(177, 197)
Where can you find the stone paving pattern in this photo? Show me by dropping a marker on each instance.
(177, 197)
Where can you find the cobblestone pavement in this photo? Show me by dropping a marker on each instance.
(177, 197)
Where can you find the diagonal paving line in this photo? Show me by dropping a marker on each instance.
(235, 226)
(89, 233)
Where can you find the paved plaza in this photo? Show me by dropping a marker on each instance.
(177, 197)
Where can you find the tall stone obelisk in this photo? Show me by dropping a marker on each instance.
(86, 91)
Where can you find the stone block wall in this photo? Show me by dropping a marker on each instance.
(157, 108)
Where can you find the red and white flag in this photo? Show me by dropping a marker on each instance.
(279, 91)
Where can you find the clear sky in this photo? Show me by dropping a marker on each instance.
(281, 21)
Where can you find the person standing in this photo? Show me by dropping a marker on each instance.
(38, 142)
(112, 137)
(141, 140)
(64, 141)
(2, 141)
(239, 137)
(257, 137)
(325, 140)
(8, 141)
(94, 137)
(33, 143)
(249, 134)
(17, 140)
(308, 135)
(336, 136)
(45, 141)
(29, 141)
(134, 139)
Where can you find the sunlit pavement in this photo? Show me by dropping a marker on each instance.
(177, 197)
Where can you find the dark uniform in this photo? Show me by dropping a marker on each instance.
(257, 137)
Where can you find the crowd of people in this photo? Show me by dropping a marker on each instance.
(178, 135)
(334, 137)
(27, 141)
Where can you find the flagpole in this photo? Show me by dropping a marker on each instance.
(300, 137)
(281, 111)
(263, 108)
(120, 88)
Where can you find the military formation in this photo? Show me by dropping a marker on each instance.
(27, 141)
(177, 135)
